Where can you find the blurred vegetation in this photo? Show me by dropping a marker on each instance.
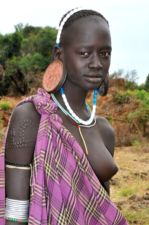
(5, 105)
(132, 106)
(24, 54)
(130, 78)
(140, 97)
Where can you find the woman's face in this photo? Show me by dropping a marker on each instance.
(86, 52)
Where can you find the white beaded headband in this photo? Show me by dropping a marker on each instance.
(64, 21)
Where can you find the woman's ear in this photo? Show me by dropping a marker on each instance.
(58, 53)
(103, 90)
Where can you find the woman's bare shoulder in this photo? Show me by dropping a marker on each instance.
(107, 133)
(28, 109)
(104, 123)
(22, 133)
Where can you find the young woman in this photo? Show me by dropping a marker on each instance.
(58, 154)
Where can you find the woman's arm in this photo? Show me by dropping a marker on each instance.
(19, 151)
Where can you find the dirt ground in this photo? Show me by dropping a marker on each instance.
(130, 186)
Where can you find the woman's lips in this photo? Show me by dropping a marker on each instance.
(93, 75)
(93, 78)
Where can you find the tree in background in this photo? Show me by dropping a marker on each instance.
(24, 54)
(130, 78)
(146, 85)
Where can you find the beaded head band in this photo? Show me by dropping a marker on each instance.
(70, 13)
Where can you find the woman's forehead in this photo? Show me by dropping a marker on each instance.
(87, 29)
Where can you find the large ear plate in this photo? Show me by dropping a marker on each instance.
(54, 76)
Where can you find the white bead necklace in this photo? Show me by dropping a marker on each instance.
(72, 113)
(68, 114)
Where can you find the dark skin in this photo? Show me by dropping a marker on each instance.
(86, 58)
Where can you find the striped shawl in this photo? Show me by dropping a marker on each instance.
(64, 187)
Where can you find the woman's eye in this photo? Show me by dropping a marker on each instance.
(84, 54)
(105, 54)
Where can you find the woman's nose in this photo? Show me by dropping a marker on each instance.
(95, 62)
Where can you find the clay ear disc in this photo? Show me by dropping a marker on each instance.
(53, 76)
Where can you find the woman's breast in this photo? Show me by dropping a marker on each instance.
(99, 156)
(101, 161)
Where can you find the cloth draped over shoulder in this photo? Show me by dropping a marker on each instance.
(64, 187)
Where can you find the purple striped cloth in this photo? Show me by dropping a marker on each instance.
(64, 187)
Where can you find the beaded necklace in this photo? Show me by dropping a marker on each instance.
(68, 114)
(72, 113)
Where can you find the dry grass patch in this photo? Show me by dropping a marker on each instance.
(130, 186)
